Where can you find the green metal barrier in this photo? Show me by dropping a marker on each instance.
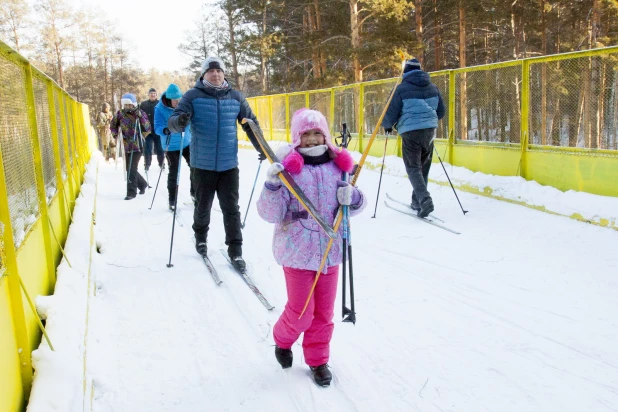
(551, 119)
(44, 147)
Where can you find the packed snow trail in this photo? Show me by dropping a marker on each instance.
(515, 314)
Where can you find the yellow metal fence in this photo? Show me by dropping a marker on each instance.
(45, 142)
(552, 119)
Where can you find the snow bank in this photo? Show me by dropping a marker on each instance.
(58, 378)
(600, 210)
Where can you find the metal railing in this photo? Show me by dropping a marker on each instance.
(44, 147)
(531, 117)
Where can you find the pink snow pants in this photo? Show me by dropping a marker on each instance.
(317, 321)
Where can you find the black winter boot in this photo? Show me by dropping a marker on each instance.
(284, 357)
(426, 208)
(200, 244)
(239, 263)
(322, 375)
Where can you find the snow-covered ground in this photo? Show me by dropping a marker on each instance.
(518, 313)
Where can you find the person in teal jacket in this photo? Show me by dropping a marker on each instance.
(171, 142)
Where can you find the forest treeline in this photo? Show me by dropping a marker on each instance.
(275, 46)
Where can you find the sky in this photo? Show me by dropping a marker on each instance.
(155, 28)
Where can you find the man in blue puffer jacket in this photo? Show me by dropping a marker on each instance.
(163, 110)
(415, 110)
(213, 109)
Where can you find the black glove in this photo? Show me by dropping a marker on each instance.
(183, 119)
(166, 131)
(261, 156)
(388, 130)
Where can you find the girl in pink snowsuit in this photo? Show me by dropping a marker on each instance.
(299, 243)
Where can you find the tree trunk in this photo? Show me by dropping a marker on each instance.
(418, 14)
(263, 52)
(318, 27)
(437, 36)
(356, 40)
(233, 53)
(315, 54)
(59, 63)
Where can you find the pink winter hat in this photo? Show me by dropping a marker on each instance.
(307, 119)
(304, 120)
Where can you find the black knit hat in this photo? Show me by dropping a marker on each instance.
(412, 64)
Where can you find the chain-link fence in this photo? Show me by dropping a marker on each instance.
(574, 102)
(45, 137)
(17, 150)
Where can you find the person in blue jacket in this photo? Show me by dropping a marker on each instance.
(212, 110)
(414, 111)
(163, 110)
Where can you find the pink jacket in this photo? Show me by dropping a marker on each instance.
(298, 241)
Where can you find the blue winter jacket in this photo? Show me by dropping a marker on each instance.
(214, 113)
(417, 104)
(163, 111)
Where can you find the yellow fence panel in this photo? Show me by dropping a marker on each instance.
(44, 146)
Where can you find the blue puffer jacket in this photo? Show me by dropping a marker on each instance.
(162, 113)
(214, 113)
(417, 104)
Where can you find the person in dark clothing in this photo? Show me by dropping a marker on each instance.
(169, 101)
(212, 109)
(131, 121)
(415, 110)
(153, 139)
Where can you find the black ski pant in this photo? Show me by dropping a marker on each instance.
(150, 140)
(172, 159)
(207, 183)
(134, 179)
(417, 155)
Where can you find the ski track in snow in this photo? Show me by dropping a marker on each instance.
(515, 314)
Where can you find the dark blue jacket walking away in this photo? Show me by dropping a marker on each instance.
(214, 113)
(417, 104)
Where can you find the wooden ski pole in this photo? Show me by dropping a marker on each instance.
(353, 182)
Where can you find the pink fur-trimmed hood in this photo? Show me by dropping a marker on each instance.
(294, 161)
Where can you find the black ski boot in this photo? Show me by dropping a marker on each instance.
(200, 244)
(426, 208)
(172, 207)
(321, 375)
(238, 263)
(284, 357)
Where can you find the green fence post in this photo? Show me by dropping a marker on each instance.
(451, 116)
(307, 105)
(12, 275)
(361, 117)
(287, 118)
(67, 158)
(525, 104)
(56, 146)
(332, 111)
(270, 116)
(38, 171)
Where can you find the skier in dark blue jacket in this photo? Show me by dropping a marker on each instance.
(414, 111)
(212, 110)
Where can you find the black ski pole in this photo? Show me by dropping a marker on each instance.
(380, 182)
(182, 138)
(451, 183)
(251, 197)
(167, 145)
(347, 314)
